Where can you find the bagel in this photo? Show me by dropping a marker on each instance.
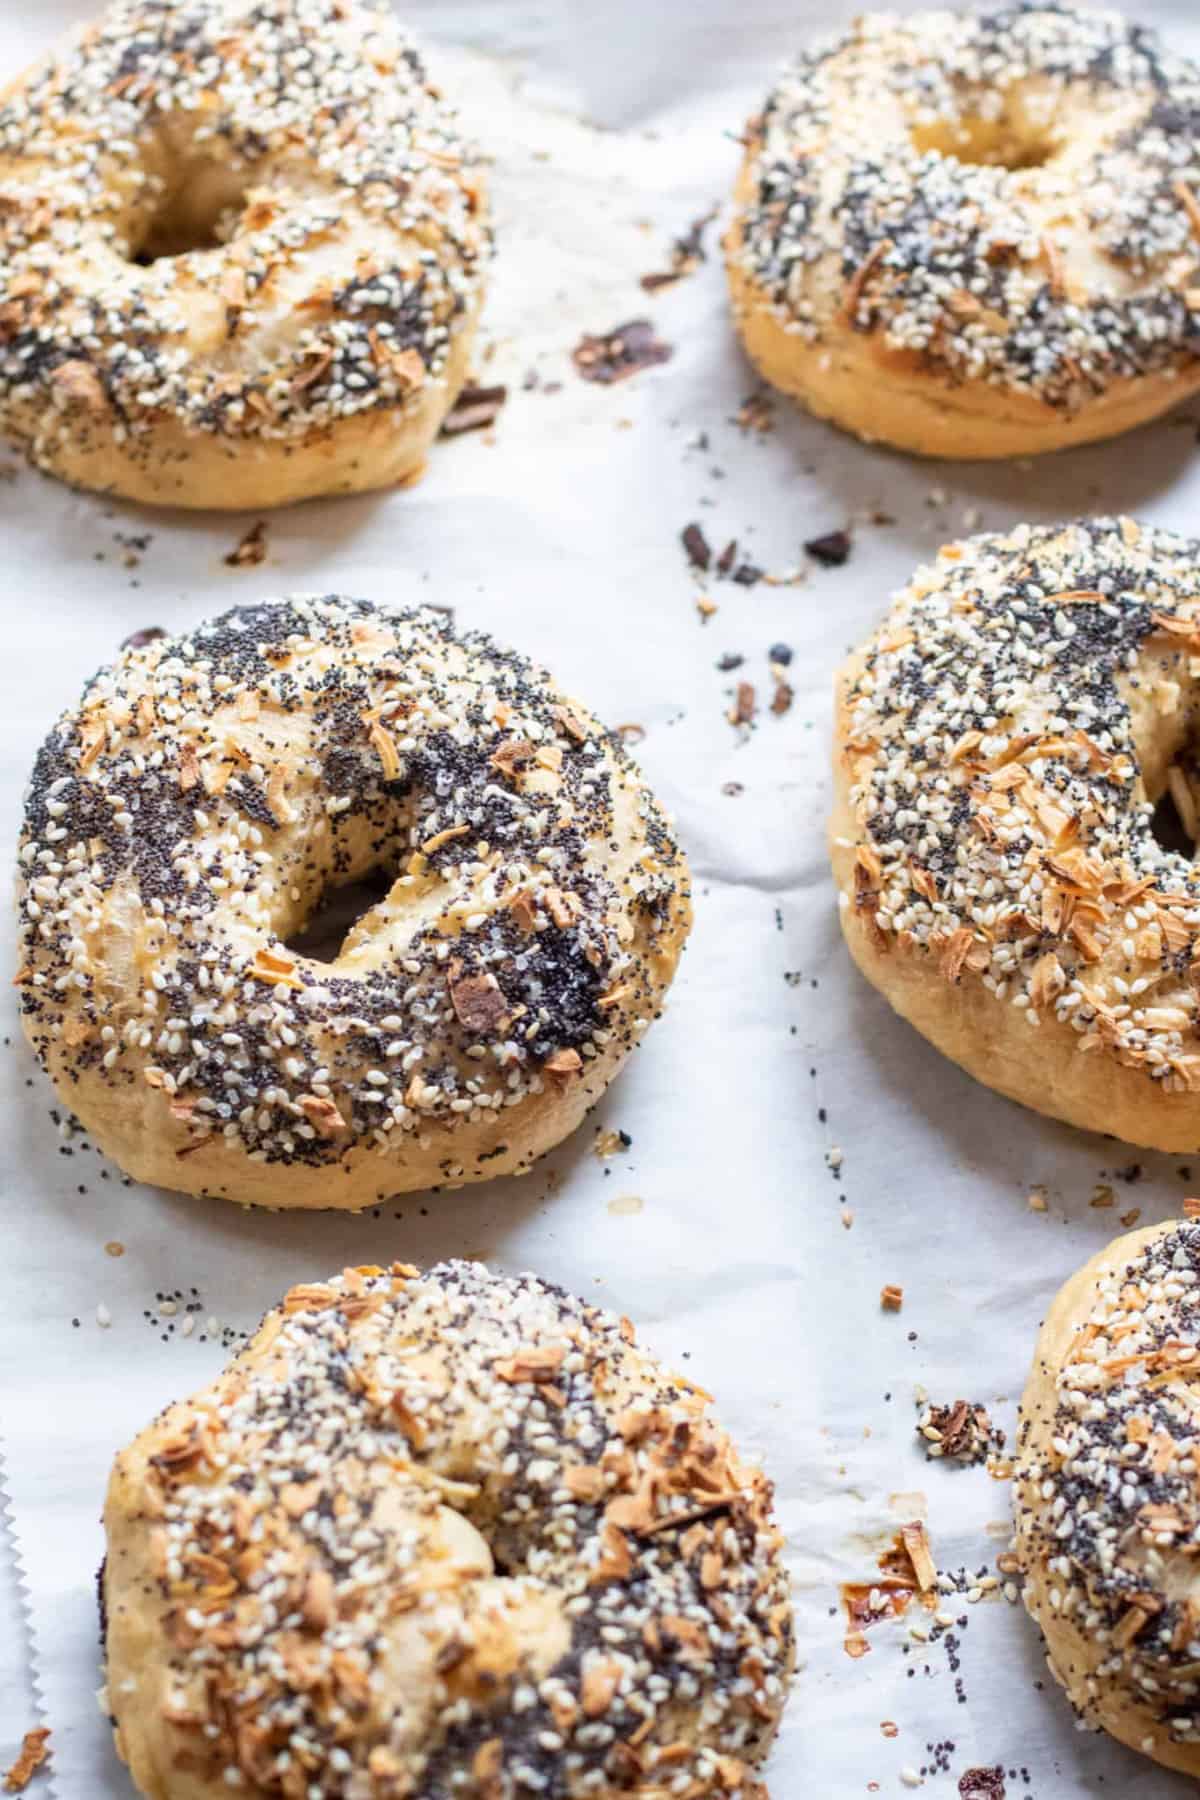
(1105, 1492)
(241, 245)
(443, 1533)
(975, 236)
(1001, 742)
(187, 818)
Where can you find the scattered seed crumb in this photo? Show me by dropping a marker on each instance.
(831, 549)
(34, 1752)
(132, 547)
(475, 409)
(114, 1247)
(748, 575)
(891, 1297)
(625, 1206)
(982, 1784)
(743, 709)
(687, 253)
(756, 413)
(610, 1143)
(617, 354)
(960, 1432)
(250, 550)
(103, 1317)
(788, 578)
(725, 566)
(696, 546)
(1037, 1201)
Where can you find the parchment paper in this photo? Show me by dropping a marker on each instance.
(721, 1230)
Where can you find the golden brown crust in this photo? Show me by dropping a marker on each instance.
(170, 465)
(184, 823)
(1105, 1492)
(853, 381)
(242, 269)
(445, 1526)
(912, 255)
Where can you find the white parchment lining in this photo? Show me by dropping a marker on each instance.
(562, 537)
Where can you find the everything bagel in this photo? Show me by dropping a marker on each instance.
(452, 1533)
(240, 253)
(184, 822)
(1107, 1523)
(1001, 742)
(976, 236)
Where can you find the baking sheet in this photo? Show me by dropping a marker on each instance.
(778, 1094)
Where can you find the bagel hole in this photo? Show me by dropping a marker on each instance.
(324, 932)
(990, 143)
(1175, 822)
(197, 209)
